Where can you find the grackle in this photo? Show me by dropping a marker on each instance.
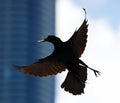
(65, 56)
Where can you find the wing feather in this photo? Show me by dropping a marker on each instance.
(44, 67)
(79, 39)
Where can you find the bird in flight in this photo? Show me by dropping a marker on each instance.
(65, 56)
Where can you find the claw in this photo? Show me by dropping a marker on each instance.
(96, 72)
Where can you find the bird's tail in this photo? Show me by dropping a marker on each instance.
(75, 81)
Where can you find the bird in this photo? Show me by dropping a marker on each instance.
(66, 55)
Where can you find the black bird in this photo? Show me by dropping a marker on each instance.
(65, 56)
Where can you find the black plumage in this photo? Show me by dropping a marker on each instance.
(65, 56)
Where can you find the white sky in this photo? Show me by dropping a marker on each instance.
(102, 53)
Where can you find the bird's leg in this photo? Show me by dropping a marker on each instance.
(96, 72)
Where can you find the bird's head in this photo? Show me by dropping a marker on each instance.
(52, 39)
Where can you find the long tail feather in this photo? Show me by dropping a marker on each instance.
(75, 81)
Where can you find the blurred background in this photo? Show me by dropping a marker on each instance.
(23, 22)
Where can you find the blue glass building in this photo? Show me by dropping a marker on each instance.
(22, 23)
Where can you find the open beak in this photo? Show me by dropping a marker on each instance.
(42, 40)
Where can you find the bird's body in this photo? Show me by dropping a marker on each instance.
(65, 56)
(77, 74)
(64, 52)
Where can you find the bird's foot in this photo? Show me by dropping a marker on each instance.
(96, 72)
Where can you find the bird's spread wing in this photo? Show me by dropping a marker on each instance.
(79, 39)
(44, 67)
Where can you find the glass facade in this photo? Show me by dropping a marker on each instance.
(22, 23)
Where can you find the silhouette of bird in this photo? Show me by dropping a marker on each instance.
(65, 56)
